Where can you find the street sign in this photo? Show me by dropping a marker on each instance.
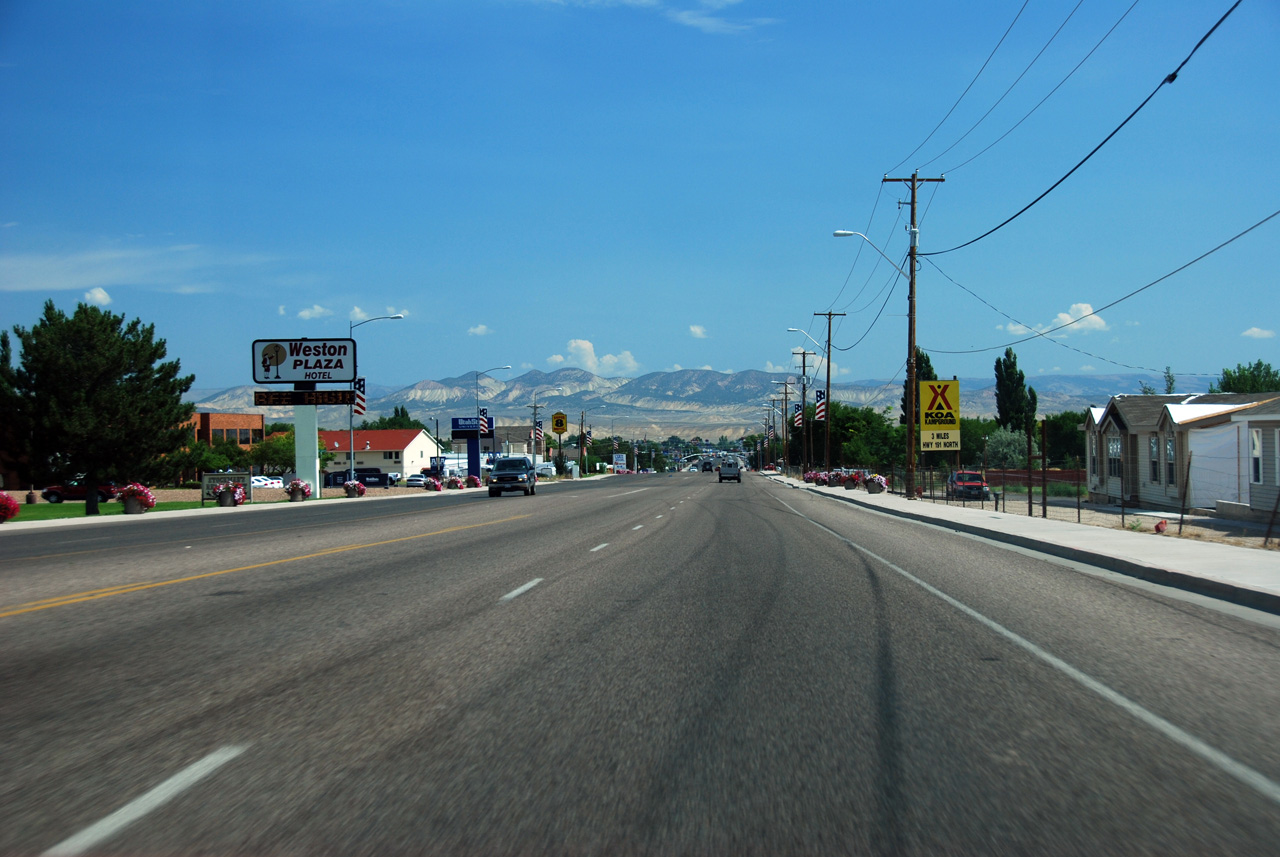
(939, 416)
(468, 427)
(286, 398)
(559, 422)
(297, 361)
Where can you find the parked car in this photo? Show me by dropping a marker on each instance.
(75, 489)
(267, 482)
(512, 474)
(416, 480)
(967, 485)
(546, 470)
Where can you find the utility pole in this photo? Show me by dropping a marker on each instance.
(826, 459)
(912, 392)
(786, 445)
(804, 403)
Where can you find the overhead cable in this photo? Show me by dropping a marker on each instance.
(1169, 79)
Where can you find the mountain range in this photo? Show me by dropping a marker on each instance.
(686, 402)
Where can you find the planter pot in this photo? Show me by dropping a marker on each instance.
(227, 498)
(133, 506)
(874, 488)
(352, 492)
(297, 496)
(849, 485)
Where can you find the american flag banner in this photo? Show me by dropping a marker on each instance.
(772, 434)
(358, 407)
(798, 410)
(588, 437)
(486, 424)
(819, 405)
(615, 444)
(537, 431)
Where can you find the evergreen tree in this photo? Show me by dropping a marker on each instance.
(1015, 401)
(924, 372)
(1170, 380)
(90, 395)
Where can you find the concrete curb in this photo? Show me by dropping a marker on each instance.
(1243, 596)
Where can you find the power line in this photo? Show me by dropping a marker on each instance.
(1137, 291)
(1168, 79)
(1070, 75)
(1016, 81)
(966, 90)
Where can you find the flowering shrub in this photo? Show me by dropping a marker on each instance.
(878, 480)
(355, 484)
(8, 507)
(454, 482)
(432, 484)
(473, 481)
(236, 488)
(299, 485)
(139, 492)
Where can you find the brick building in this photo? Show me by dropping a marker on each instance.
(242, 429)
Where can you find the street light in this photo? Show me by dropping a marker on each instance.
(911, 342)
(351, 409)
(582, 424)
(826, 358)
(535, 422)
(479, 441)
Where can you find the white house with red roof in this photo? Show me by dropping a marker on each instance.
(402, 451)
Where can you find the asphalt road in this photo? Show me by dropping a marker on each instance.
(633, 665)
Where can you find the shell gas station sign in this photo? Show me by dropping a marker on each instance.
(939, 403)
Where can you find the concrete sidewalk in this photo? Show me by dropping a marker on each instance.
(1245, 576)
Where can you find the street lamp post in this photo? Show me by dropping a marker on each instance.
(911, 341)
(351, 409)
(535, 422)
(582, 425)
(479, 441)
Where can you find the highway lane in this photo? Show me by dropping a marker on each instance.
(696, 668)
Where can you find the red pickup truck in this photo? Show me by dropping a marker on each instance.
(75, 489)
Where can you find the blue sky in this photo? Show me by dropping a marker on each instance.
(640, 186)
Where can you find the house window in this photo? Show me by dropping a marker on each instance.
(1153, 446)
(244, 435)
(387, 455)
(1255, 456)
(1114, 465)
(257, 435)
(1171, 458)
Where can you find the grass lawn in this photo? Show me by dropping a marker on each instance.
(54, 511)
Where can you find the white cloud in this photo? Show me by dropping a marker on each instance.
(697, 331)
(1079, 318)
(98, 296)
(314, 311)
(583, 355)
(358, 314)
(10, 224)
(771, 367)
(393, 311)
(701, 17)
(281, 310)
(479, 330)
(1258, 333)
(188, 266)
(1088, 368)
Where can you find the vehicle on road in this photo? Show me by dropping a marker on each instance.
(708, 466)
(730, 469)
(967, 485)
(512, 474)
(267, 482)
(75, 489)
(416, 480)
(546, 470)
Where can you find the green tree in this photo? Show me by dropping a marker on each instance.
(399, 419)
(1257, 378)
(93, 394)
(1008, 449)
(274, 455)
(1015, 401)
(1170, 381)
(1064, 438)
(924, 372)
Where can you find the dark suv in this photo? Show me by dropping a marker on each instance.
(512, 474)
(967, 485)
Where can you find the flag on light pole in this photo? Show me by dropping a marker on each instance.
(819, 405)
(798, 410)
(538, 431)
(359, 405)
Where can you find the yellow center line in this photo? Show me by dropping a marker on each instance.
(95, 594)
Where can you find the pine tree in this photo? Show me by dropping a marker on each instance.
(924, 372)
(90, 395)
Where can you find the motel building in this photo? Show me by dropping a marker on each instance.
(402, 451)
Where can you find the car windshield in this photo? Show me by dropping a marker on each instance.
(511, 464)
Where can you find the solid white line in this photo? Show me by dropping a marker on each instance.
(1250, 777)
(131, 812)
(522, 590)
(638, 527)
(656, 517)
(599, 547)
